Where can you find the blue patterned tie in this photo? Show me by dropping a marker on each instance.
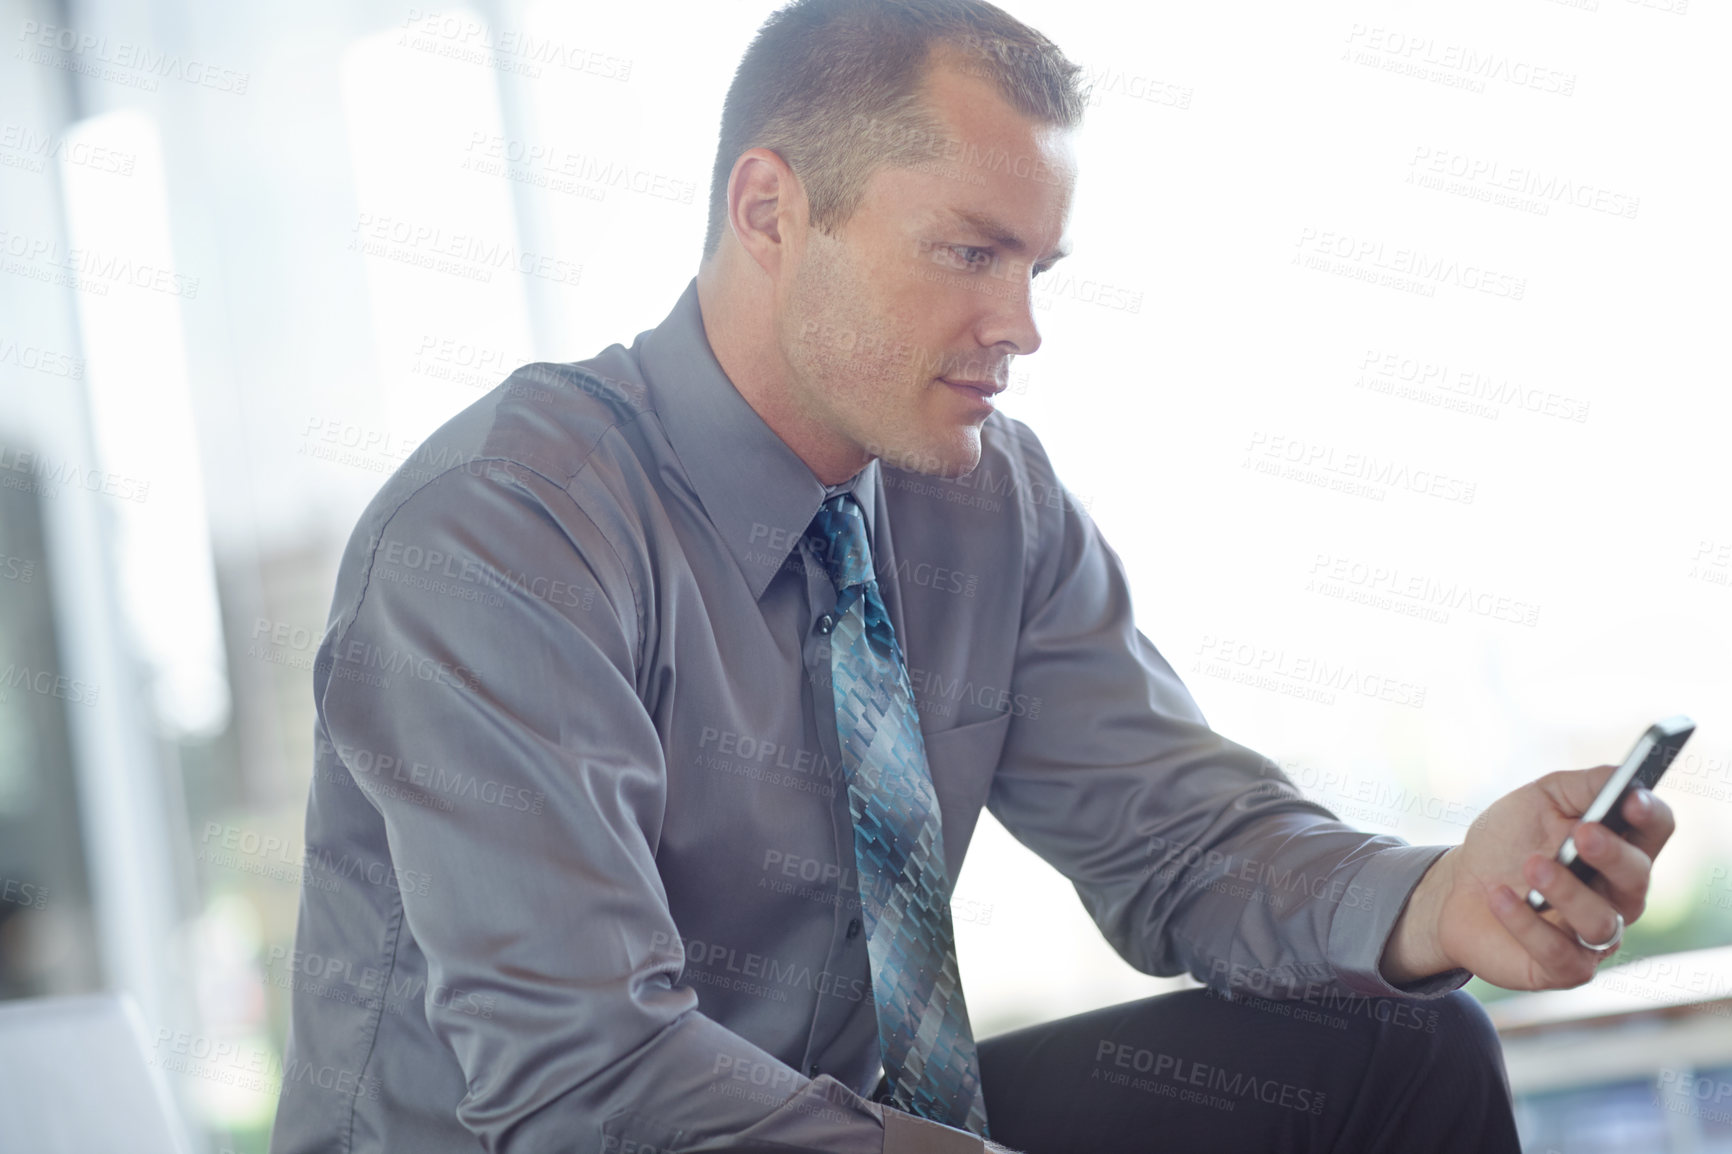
(923, 1035)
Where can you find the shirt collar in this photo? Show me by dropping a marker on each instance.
(757, 491)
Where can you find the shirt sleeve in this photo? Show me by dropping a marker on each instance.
(1191, 852)
(526, 624)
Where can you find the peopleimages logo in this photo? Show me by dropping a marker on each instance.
(1371, 259)
(46, 684)
(561, 170)
(470, 256)
(1458, 65)
(88, 269)
(1172, 1075)
(252, 1068)
(23, 893)
(325, 976)
(47, 476)
(371, 768)
(725, 967)
(121, 61)
(30, 149)
(470, 570)
(1462, 388)
(1306, 675)
(40, 360)
(351, 659)
(1210, 868)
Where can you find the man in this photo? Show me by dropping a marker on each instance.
(657, 708)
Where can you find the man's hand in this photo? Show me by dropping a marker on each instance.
(1470, 908)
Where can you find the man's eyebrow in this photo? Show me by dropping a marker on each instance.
(999, 233)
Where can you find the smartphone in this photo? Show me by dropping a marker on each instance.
(1652, 755)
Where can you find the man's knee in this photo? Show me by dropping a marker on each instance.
(1464, 1042)
(1460, 1014)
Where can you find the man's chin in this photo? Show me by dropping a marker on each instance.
(959, 456)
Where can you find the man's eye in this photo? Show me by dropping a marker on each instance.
(966, 256)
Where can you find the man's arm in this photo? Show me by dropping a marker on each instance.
(1190, 851)
(1195, 853)
(554, 915)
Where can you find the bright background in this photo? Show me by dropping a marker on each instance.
(216, 366)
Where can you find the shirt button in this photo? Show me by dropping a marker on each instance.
(853, 929)
(826, 623)
(812, 1070)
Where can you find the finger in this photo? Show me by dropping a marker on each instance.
(1574, 790)
(1561, 959)
(1625, 868)
(1584, 911)
(1651, 821)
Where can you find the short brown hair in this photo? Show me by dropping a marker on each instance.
(819, 70)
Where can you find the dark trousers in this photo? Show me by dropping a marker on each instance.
(1192, 1071)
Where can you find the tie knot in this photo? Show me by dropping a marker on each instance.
(838, 536)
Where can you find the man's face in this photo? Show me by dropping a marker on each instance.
(928, 285)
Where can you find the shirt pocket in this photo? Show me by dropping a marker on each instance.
(962, 760)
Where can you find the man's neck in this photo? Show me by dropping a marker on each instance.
(744, 344)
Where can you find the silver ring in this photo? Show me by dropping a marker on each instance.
(1610, 944)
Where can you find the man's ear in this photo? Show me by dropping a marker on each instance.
(766, 207)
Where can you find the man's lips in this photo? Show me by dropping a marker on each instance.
(984, 388)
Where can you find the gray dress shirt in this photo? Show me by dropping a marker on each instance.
(579, 871)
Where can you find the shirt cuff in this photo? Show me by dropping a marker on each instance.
(907, 1134)
(1360, 932)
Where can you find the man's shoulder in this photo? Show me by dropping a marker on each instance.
(556, 418)
(554, 445)
(552, 419)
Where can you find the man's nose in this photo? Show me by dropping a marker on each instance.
(1011, 320)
